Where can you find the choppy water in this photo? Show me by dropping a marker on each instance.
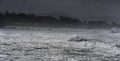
(53, 45)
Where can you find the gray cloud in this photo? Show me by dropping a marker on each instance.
(75, 8)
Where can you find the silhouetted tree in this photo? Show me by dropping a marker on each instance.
(7, 14)
(1, 20)
(49, 20)
(1, 15)
(85, 22)
(22, 15)
(52, 18)
(61, 17)
(42, 19)
(31, 16)
(76, 21)
(13, 15)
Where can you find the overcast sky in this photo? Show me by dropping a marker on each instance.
(74, 8)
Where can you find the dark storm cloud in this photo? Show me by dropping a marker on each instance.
(74, 8)
(1, 1)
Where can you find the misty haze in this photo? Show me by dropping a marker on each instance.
(59, 30)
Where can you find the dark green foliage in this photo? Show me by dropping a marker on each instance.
(22, 18)
(1, 14)
(1, 20)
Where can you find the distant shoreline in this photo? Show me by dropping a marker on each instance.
(21, 20)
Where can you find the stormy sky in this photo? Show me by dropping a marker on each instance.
(74, 8)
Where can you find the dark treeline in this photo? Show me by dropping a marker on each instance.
(30, 18)
(33, 18)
